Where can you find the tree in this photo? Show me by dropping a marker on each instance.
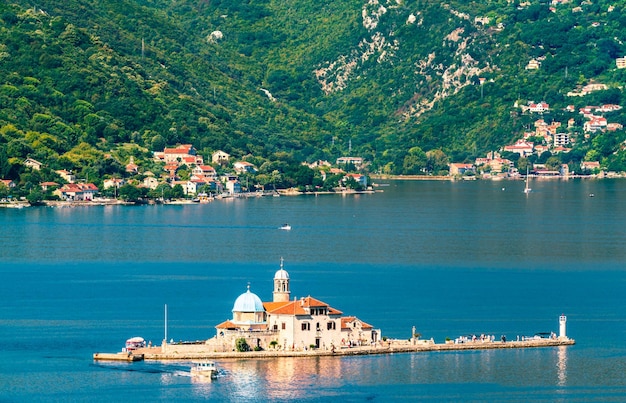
(241, 345)
(437, 161)
(157, 143)
(553, 163)
(522, 164)
(35, 196)
(4, 191)
(178, 192)
(415, 161)
(129, 192)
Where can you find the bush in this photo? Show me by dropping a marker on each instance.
(242, 345)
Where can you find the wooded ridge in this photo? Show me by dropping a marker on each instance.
(86, 85)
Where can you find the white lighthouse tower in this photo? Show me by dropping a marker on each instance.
(562, 322)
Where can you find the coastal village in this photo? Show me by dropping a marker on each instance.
(188, 176)
(547, 139)
(307, 326)
(184, 169)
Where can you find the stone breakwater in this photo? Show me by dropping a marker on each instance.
(197, 352)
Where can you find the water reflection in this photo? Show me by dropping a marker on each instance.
(562, 365)
(282, 378)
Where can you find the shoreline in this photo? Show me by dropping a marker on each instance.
(180, 352)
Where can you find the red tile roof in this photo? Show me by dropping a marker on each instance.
(349, 319)
(227, 325)
(297, 307)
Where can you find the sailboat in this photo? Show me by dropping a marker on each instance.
(527, 189)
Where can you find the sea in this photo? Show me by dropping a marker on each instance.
(451, 258)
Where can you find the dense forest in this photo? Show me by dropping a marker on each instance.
(407, 85)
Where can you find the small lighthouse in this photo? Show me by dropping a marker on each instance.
(562, 323)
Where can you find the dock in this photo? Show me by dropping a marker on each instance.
(181, 352)
(121, 356)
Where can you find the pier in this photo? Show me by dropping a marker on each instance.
(122, 356)
(182, 352)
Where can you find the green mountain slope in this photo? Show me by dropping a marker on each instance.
(385, 80)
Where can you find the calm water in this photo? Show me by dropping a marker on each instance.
(449, 258)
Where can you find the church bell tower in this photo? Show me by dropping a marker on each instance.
(281, 285)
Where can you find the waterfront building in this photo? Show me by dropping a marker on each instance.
(287, 324)
(460, 168)
(77, 191)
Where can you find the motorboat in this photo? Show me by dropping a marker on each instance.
(285, 227)
(204, 370)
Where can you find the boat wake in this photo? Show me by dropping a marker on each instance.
(146, 369)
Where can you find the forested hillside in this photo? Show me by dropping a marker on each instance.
(86, 84)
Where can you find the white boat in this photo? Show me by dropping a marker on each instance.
(204, 370)
(285, 227)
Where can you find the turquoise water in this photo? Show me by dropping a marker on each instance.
(449, 258)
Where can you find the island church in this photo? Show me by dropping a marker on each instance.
(284, 324)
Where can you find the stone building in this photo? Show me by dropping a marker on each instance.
(286, 324)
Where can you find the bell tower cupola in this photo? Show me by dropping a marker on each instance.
(281, 284)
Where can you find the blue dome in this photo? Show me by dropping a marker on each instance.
(248, 302)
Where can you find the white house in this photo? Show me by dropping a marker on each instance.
(356, 161)
(538, 107)
(151, 182)
(204, 171)
(67, 176)
(244, 167)
(77, 191)
(220, 157)
(113, 182)
(360, 179)
(34, 164)
(233, 186)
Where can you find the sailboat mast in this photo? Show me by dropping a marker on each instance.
(165, 324)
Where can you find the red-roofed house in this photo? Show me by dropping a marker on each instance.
(521, 147)
(46, 185)
(594, 124)
(360, 179)
(457, 168)
(131, 167)
(204, 171)
(8, 183)
(77, 191)
(538, 107)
